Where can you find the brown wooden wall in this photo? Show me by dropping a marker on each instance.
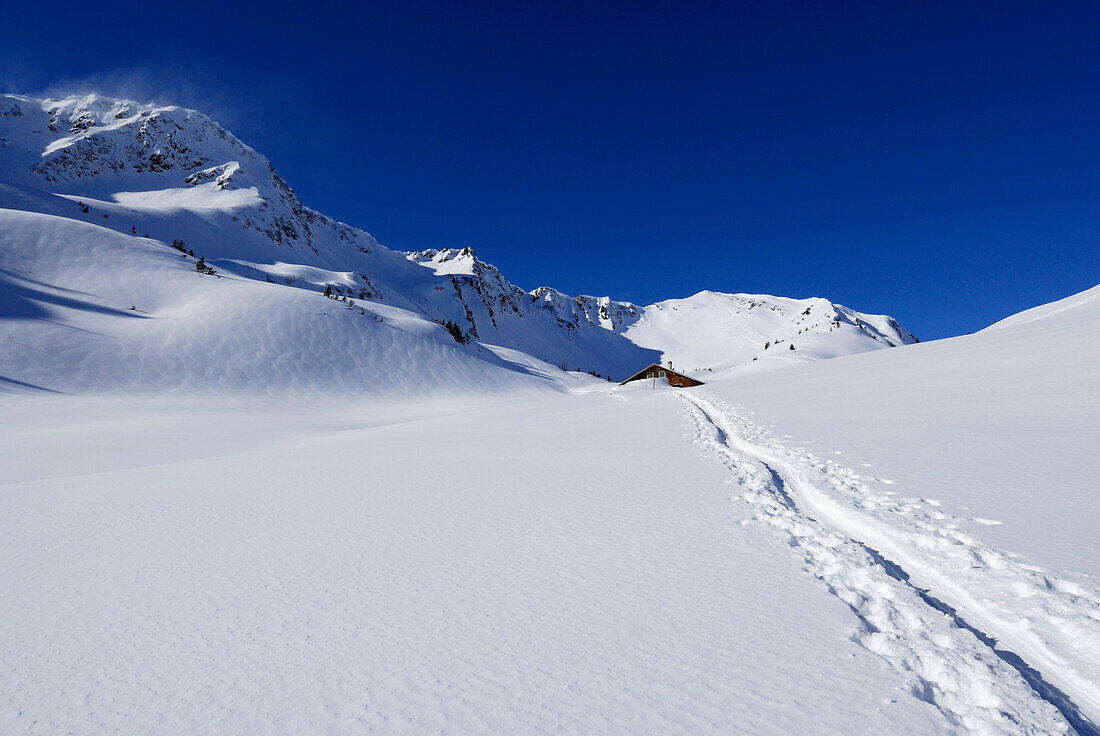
(674, 379)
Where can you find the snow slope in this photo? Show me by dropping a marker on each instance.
(565, 564)
(88, 310)
(174, 175)
(568, 561)
(233, 503)
(718, 332)
(970, 464)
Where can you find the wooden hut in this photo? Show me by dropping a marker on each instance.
(657, 372)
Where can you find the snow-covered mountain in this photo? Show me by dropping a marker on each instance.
(901, 541)
(393, 515)
(159, 188)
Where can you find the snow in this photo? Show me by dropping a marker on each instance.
(552, 561)
(447, 262)
(449, 572)
(972, 468)
(234, 504)
(951, 665)
(728, 333)
(290, 273)
(204, 197)
(999, 424)
(176, 175)
(89, 310)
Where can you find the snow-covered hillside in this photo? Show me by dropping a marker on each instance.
(144, 177)
(718, 332)
(261, 474)
(970, 464)
(899, 541)
(87, 310)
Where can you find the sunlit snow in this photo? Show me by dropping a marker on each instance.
(262, 474)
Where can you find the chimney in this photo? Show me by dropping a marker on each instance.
(670, 365)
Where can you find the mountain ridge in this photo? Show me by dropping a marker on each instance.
(174, 175)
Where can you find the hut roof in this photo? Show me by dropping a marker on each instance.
(654, 366)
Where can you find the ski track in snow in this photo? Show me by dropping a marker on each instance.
(930, 597)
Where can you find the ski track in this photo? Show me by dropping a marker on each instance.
(931, 599)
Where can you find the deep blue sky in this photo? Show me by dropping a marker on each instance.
(939, 162)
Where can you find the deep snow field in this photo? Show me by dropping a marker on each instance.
(578, 560)
(562, 564)
(230, 503)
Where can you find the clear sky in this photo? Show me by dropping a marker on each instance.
(939, 162)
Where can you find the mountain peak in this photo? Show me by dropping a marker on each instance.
(173, 175)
